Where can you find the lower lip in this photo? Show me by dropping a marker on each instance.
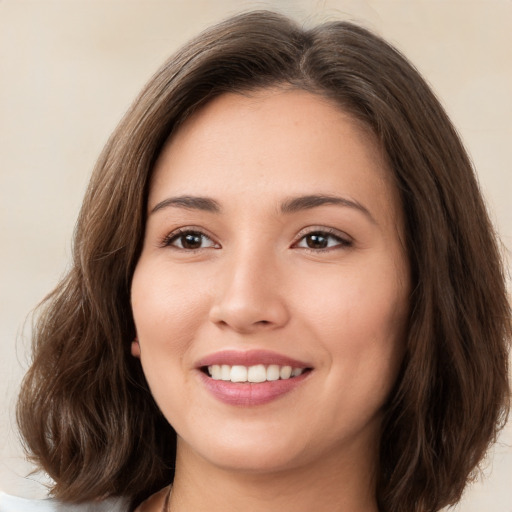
(247, 394)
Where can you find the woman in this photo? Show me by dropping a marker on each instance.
(283, 253)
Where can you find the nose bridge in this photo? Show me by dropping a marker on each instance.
(248, 297)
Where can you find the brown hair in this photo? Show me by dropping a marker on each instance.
(85, 410)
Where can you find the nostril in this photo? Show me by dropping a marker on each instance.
(245, 314)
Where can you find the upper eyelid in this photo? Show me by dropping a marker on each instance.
(298, 237)
(344, 241)
(190, 229)
(322, 229)
(174, 234)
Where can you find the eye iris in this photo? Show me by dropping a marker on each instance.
(191, 240)
(316, 241)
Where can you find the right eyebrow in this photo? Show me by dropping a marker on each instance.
(188, 202)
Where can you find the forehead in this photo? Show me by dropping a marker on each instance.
(273, 142)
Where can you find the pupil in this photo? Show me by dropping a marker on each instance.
(191, 241)
(317, 241)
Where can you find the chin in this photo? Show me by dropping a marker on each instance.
(254, 453)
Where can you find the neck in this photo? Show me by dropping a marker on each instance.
(329, 485)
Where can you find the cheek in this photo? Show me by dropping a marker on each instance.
(166, 311)
(359, 318)
(166, 307)
(356, 301)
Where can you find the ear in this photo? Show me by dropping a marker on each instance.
(135, 348)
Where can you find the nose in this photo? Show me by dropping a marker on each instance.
(248, 298)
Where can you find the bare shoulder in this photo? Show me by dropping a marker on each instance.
(155, 503)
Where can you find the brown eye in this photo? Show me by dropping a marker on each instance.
(316, 241)
(319, 240)
(190, 241)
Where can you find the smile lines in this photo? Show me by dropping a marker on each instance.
(253, 374)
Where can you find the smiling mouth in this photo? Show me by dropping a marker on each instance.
(252, 374)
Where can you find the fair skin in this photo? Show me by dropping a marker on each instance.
(272, 239)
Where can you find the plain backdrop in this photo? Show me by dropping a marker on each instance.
(70, 68)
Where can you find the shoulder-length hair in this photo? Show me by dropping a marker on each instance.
(85, 410)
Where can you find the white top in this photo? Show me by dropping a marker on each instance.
(15, 504)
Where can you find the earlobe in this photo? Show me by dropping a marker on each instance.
(135, 348)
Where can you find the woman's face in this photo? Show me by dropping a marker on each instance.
(272, 246)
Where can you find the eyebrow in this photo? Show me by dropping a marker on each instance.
(190, 203)
(291, 205)
(314, 201)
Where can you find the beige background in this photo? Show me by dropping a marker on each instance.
(70, 68)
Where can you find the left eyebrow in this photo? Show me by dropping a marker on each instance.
(296, 204)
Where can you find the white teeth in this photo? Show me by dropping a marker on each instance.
(238, 373)
(273, 372)
(215, 371)
(285, 372)
(225, 372)
(257, 373)
(297, 371)
(254, 374)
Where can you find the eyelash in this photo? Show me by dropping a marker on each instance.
(169, 240)
(341, 242)
(324, 233)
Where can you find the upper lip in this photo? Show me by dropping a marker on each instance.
(250, 358)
